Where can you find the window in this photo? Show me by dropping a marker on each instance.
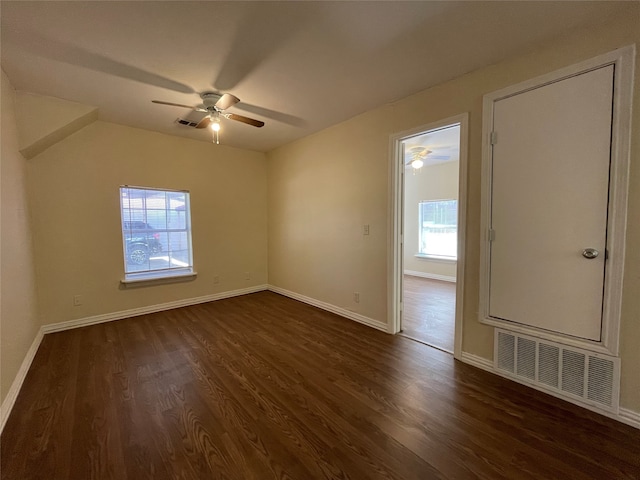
(439, 229)
(156, 233)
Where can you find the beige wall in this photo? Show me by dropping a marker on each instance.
(18, 316)
(433, 182)
(324, 187)
(39, 117)
(76, 217)
(322, 190)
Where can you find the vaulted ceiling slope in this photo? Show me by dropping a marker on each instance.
(298, 66)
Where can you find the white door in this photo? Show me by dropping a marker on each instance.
(550, 187)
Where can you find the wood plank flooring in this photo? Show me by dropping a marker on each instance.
(429, 311)
(263, 387)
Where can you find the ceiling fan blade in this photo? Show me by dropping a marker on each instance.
(173, 104)
(204, 123)
(227, 100)
(247, 120)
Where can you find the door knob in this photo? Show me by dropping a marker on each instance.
(590, 253)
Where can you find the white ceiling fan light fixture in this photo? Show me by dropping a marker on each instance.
(215, 126)
(215, 123)
(214, 118)
(417, 156)
(215, 136)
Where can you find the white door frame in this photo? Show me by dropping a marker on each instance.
(623, 59)
(396, 206)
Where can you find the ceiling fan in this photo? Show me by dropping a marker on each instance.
(416, 155)
(214, 105)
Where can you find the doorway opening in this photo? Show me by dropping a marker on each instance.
(428, 247)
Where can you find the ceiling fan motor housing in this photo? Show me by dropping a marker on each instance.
(209, 100)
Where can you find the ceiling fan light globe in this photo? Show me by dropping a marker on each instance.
(215, 126)
(417, 163)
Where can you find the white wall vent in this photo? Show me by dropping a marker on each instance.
(575, 374)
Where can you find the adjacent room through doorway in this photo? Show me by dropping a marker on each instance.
(430, 228)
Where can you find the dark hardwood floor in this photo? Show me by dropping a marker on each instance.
(429, 311)
(264, 387)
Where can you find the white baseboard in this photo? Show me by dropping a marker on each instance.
(433, 276)
(331, 308)
(134, 312)
(629, 417)
(624, 415)
(14, 390)
(477, 361)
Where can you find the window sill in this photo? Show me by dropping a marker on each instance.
(435, 258)
(147, 279)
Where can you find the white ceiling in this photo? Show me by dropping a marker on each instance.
(298, 66)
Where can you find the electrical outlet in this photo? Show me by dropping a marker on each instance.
(216, 279)
(365, 230)
(356, 297)
(77, 300)
(247, 276)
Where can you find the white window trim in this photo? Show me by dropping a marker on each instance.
(158, 277)
(436, 258)
(153, 278)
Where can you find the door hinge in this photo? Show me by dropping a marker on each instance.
(493, 138)
(492, 235)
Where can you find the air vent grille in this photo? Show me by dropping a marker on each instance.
(600, 380)
(526, 358)
(182, 121)
(549, 365)
(506, 352)
(575, 374)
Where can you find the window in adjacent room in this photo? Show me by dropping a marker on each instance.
(156, 233)
(439, 229)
